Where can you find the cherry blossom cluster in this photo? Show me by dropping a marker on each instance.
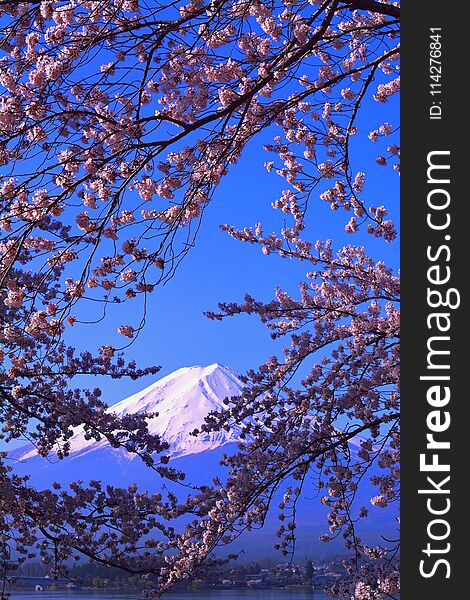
(336, 384)
(118, 121)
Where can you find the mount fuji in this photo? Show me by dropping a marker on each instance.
(182, 400)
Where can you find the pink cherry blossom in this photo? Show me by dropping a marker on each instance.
(119, 120)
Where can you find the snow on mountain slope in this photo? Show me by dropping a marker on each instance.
(182, 400)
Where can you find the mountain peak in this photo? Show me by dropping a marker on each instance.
(182, 400)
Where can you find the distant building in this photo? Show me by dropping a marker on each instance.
(325, 579)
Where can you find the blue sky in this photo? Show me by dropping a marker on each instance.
(219, 268)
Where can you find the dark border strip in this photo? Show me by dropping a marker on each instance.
(434, 260)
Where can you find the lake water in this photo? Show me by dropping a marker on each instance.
(203, 595)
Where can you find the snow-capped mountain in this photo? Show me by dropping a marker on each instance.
(182, 400)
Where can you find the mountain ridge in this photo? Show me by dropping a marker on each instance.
(181, 400)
